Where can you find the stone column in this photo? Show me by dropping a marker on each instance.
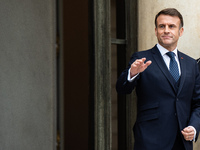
(189, 43)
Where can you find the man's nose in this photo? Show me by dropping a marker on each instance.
(166, 29)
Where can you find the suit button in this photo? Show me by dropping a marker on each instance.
(177, 99)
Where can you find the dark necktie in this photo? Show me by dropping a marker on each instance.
(173, 66)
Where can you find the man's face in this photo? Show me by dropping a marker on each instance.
(168, 31)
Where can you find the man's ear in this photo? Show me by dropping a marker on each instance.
(181, 31)
(155, 31)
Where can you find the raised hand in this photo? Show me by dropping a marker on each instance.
(138, 66)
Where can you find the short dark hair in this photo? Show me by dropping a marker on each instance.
(170, 12)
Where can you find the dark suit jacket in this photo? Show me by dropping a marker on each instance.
(163, 109)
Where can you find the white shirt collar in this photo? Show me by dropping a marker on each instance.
(163, 50)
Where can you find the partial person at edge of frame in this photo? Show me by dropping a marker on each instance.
(198, 61)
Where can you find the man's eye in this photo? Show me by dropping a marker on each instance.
(171, 26)
(162, 26)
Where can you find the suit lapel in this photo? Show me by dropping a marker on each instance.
(183, 71)
(160, 62)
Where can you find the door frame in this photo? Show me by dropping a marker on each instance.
(102, 75)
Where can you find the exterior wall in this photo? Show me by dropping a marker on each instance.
(189, 43)
(27, 76)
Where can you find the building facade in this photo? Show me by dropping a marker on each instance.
(59, 64)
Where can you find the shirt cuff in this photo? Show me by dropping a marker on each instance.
(194, 133)
(129, 76)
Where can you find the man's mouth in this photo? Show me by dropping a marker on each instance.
(166, 37)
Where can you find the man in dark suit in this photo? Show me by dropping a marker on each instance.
(167, 87)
